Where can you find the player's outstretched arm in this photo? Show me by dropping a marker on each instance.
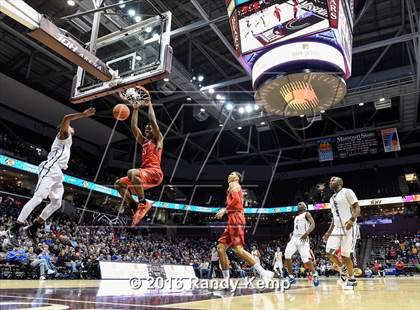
(65, 123)
(134, 121)
(153, 122)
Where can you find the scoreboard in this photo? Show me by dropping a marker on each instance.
(259, 26)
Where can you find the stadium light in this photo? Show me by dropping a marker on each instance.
(71, 2)
(200, 78)
(137, 18)
(239, 128)
(166, 79)
(229, 106)
(149, 30)
(131, 12)
(122, 5)
(202, 110)
(248, 108)
(361, 104)
(241, 110)
(218, 97)
(256, 107)
(211, 91)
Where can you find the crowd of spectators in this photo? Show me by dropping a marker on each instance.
(394, 254)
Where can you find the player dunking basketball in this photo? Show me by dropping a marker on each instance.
(234, 232)
(150, 173)
(304, 224)
(50, 179)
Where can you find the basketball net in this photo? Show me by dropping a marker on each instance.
(137, 94)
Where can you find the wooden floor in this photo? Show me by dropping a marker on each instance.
(389, 293)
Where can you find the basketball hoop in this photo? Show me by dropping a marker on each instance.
(137, 94)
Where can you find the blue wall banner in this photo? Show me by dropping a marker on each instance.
(325, 150)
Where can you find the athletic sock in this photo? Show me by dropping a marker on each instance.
(226, 274)
(258, 268)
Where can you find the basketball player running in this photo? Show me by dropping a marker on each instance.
(343, 231)
(50, 179)
(278, 262)
(304, 224)
(150, 173)
(234, 232)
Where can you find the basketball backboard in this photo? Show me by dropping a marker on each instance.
(136, 55)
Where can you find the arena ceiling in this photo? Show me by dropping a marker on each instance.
(385, 64)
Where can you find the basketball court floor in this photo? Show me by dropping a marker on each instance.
(388, 293)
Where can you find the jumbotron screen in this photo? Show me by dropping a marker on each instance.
(263, 23)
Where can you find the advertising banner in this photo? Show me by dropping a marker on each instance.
(390, 140)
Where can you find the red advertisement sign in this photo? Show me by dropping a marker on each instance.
(333, 11)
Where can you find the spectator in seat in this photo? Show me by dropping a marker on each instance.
(368, 272)
(237, 270)
(45, 254)
(204, 270)
(400, 268)
(196, 267)
(40, 263)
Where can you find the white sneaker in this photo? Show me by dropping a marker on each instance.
(50, 271)
(267, 276)
(350, 284)
(42, 277)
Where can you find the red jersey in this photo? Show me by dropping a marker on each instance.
(151, 155)
(235, 201)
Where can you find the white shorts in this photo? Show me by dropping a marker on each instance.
(295, 244)
(50, 181)
(278, 265)
(343, 239)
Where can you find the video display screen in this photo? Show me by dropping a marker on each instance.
(267, 22)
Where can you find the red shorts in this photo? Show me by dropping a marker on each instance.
(151, 177)
(234, 233)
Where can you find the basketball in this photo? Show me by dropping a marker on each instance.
(121, 112)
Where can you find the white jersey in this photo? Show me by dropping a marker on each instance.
(301, 225)
(278, 256)
(60, 152)
(341, 203)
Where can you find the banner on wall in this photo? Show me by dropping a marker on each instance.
(364, 143)
(325, 150)
(390, 140)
